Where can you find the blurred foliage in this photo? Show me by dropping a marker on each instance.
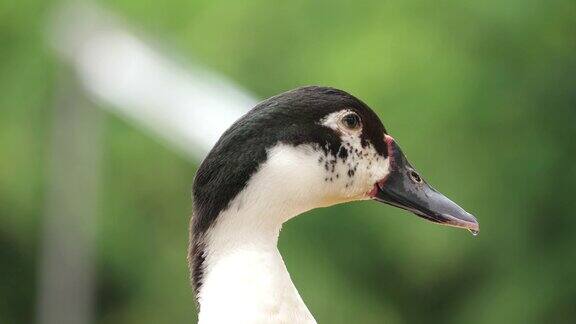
(481, 95)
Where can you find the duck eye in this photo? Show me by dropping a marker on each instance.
(351, 121)
(415, 176)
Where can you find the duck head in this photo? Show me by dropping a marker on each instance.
(306, 148)
(314, 147)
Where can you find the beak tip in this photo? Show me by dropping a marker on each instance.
(466, 221)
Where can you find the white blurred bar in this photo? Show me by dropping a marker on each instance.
(187, 106)
(67, 264)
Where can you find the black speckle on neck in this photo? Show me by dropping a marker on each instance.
(343, 153)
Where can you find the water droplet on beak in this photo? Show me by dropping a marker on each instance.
(474, 232)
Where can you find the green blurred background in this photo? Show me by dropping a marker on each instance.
(480, 94)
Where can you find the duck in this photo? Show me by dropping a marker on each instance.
(306, 148)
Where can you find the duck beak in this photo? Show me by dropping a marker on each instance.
(404, 188)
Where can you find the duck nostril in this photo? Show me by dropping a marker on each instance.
(415, 176)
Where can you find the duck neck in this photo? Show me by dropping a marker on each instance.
(244, 278)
